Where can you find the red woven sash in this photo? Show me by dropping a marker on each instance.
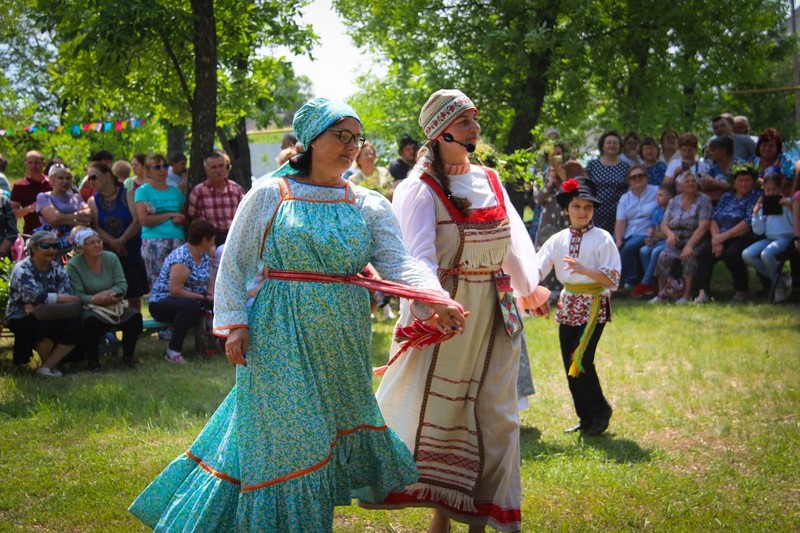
(415, 334)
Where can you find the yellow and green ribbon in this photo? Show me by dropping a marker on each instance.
(594, 290)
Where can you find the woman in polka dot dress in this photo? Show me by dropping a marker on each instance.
(609, 173)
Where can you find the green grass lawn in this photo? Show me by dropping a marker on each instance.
(705, 434)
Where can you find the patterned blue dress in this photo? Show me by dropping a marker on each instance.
(301, 430)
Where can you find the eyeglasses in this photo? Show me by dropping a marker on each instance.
(637, 176)
(346, 137)
(159, 167)
(47, 245)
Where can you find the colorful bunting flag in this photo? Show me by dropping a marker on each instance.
(76, 129)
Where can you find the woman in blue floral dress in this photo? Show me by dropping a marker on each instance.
(301, 431)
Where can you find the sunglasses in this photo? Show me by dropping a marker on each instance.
(346, 137)
(637, 176)
(47, 245)
(93, 177)
(159, 167)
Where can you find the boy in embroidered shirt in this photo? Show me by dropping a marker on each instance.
(587, 263)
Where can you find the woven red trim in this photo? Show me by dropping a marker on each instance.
(502, 516)
(487, 214)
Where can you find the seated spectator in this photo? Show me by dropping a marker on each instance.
(178, 176)
(114, 219)
(217, 197)
(288, 149)
(688, 147)
(654, 243)
(795, 263)
(86, 187)
(770, 158)
(630, 149)
(158, 209)
(39, 279)
(743, 146)
(5, 185)
(609, 173)
(97, 279)
(731, 233)
(8, 227)
(62, 209)
(551, 217)
(25, 191)
(669, 146)
(650, 154)
(717, 181)
(184, 289)
(775, 227)
(685, 228)
(121, 170)
(139, 169)
(365, 173)
(407, 150)
(634, 210)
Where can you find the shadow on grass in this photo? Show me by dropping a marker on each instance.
(622, 451)
(155, 393)
(618, 450)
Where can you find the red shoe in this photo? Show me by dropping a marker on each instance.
(645, 289)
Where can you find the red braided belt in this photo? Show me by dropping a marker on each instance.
(415, 334)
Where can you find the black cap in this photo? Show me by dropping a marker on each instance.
(580, 187)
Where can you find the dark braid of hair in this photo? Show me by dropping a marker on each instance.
(462, 204)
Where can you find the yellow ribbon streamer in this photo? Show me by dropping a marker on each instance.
(594, 290)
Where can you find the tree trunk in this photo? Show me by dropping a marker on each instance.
(528, 109)
(176, 138)
(241, 146)
(204, 110)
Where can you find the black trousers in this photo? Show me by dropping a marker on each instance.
(732, 257)
(587, 395)
(28, 331)
(95, 329)
(182, 312)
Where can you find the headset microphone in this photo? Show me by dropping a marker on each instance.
(449, 139)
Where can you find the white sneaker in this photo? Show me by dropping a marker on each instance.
(388, 313)
(702, 299)
(655, 301)
(174, 357)
(47, 372)
(681, 301)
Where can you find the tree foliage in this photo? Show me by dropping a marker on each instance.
(583, 66)
(108, 59)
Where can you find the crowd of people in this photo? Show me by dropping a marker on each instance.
(90, 250)
(281, 267)
(676, 207)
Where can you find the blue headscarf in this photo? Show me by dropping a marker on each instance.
(312, 119)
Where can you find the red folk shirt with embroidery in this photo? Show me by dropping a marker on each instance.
(216, 206)
(592, 247)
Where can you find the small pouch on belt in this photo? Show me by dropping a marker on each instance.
(508, 306)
